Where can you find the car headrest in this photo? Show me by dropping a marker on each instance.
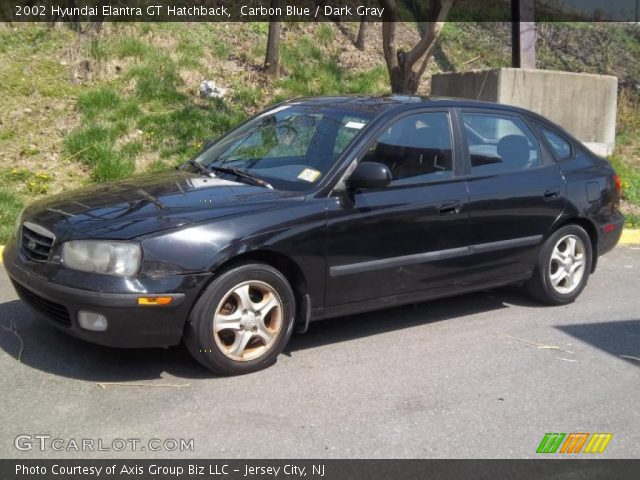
(427, 137)
(514, 148)
(384, 150)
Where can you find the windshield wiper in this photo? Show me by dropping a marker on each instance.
(201, 168)
(243, 174)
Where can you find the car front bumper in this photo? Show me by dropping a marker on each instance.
(130, 325)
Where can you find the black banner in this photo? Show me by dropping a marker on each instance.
(320, 469)
(317, 10)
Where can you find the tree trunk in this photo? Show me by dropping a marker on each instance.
(407, 67)
(404, 80)
(272, 58)
(362, 33)
(95, 25)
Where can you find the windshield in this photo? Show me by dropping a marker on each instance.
(290, 147)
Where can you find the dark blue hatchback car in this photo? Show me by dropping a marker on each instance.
(316, 208)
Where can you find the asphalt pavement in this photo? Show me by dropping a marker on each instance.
(485, 375)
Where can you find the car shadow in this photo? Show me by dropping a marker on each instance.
(619, 338)
(343, 329)
(49, 350)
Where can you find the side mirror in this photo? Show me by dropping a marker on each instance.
(370, 175)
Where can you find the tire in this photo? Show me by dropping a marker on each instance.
(242, 321)
(553, 282)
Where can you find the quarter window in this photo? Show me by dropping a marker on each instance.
(416, 148)
(560, 146)
(500, 143)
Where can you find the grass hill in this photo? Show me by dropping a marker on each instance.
(92, 108)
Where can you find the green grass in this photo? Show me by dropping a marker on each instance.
(10, 206)
(248, 95)
(98, 49)
(82, 144)
(25, 181)
(626, 160)
(33, 39)
(314, 71)
(221, 49)
(632, 220)
(95, 102)
(131, 47)
(110, 164)
(147, 117)
(158, 80)
(151, 99)
(325, 34)
(462, 42)
(630, 177)
(148, 114)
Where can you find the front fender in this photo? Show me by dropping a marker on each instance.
(296, 231)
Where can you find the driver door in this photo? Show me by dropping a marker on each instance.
(410, 236)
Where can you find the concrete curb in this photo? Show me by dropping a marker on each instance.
(629, 237)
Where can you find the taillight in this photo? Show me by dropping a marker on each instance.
(618, 182)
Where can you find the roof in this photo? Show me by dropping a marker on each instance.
(379, 104)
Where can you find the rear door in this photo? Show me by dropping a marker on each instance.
(516, 192)
(407, 237)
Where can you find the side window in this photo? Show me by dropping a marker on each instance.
(416, 148)
(500, 143)
(560, 146)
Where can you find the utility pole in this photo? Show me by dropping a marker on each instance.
(523, 34)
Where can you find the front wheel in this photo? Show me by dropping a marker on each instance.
(563, 266)
(242, 321)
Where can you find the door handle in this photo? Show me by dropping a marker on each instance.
(552, 193)
(450, 208)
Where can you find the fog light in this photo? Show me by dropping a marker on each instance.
(92, 321)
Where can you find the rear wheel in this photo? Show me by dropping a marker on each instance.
(563, 266)
(242, 321)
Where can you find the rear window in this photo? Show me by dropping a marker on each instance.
(560, 146)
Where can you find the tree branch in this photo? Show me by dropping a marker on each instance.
(426, 58)
(433, 30)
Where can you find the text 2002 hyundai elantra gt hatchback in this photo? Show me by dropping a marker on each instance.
(318, 208)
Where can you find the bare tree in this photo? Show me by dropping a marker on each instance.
(272, 58)
(362, 34)
(406, 68)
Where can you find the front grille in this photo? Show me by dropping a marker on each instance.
(54, 311)
(36, 242)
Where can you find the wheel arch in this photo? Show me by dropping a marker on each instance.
(285, 265)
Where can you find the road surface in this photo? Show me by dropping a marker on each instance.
(480, 376)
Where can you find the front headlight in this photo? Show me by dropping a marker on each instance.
(111, 258)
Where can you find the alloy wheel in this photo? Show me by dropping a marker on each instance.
(248, 320)
(567, 264)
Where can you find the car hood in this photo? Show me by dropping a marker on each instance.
(142, 205)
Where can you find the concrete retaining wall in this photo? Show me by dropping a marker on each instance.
(584, 104)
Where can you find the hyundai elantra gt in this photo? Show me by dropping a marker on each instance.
(317, 208)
